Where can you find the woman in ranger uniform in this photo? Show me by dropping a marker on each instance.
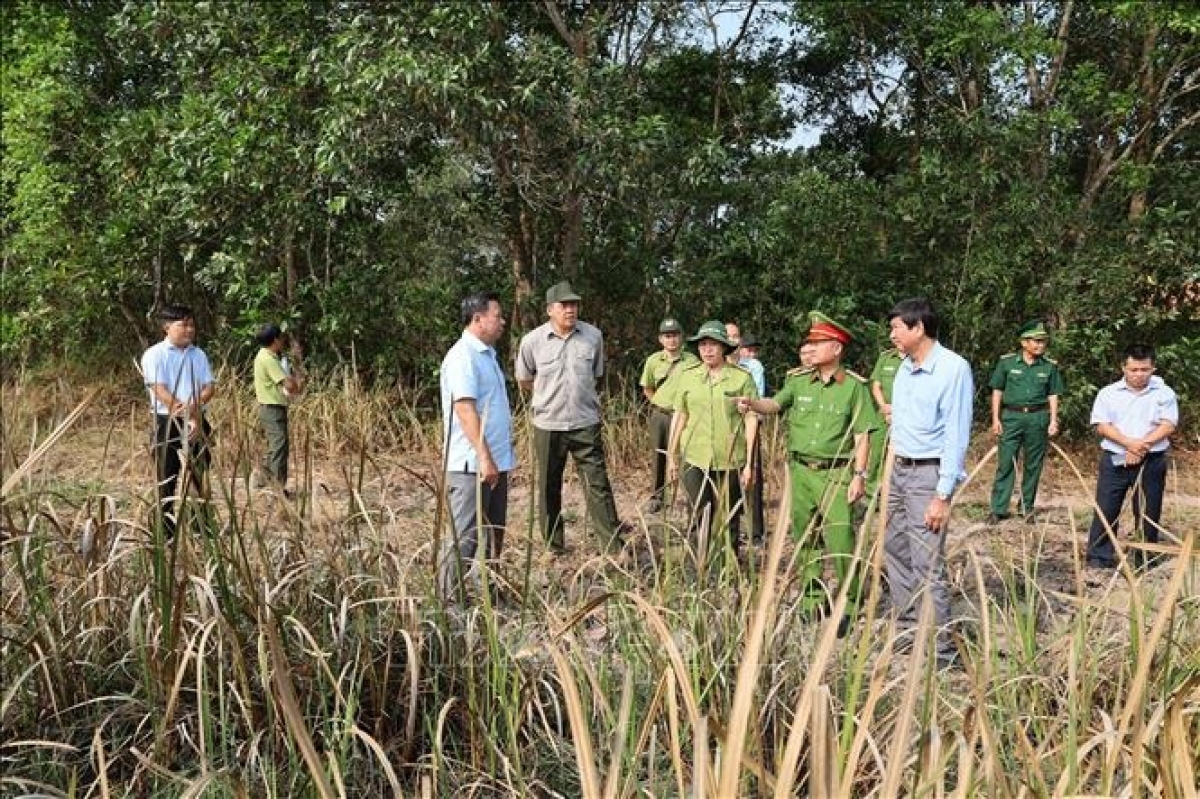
(710, 434)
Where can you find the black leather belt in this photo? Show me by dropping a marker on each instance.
(1027, 408)
(903, 461)
(819, 464)
(662, 410)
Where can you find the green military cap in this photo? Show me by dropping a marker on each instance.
(822, 328)
(715, 330)
(561, 292)
(670, 325)
(1034, 329)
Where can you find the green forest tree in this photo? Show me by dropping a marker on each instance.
(354, 168)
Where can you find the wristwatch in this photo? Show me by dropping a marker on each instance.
(943, 497)
(860, 473)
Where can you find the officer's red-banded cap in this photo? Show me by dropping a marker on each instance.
(822, 328)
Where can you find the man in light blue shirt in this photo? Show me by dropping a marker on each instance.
(478, 443)
(931, 427)
(180, 383)
(748, 360)
(1134, 417)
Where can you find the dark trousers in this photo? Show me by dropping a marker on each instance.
(171, 448)
(714, 496)
(586, 447)
(274, 420)
(1025, 435)
(754, 500)
(1148, 480)
(660, 435)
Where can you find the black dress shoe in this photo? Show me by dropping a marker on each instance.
(844, 626)
(995, 518)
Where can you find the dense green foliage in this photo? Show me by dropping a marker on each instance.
(353, 168)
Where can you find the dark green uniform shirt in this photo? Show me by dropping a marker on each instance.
(823, 417)
(660, 370)
(1026, 384)
(715, 436)
(884, 372)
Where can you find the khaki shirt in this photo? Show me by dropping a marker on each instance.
(824, 417)
(1024, 383)
(660, 370)
(564, 371)
(715, 435)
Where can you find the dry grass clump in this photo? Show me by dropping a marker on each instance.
(298, 648)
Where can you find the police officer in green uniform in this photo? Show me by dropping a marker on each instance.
(1026, 386)
(830, 418)
(659, 369)
(709, 433)
(883, 376)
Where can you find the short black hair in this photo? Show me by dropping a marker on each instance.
(1140, 352)
(174, 313)
(913, 310)
(477, 302)
(268, 333)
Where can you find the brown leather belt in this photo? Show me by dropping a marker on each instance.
(819, 464)
(903, 461)
(1027, 408)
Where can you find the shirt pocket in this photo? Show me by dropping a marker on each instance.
(582, 361)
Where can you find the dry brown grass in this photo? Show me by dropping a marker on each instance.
(301, 651)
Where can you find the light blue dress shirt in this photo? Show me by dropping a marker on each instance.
(1135, 414)
(185, 372)
(471, 370)
(755, 368)
(932, 407)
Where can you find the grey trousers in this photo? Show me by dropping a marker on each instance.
(915, 556)
(475, 507)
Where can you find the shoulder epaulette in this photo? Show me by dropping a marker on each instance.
(1051, 360)
(1009, 355)
(856, 376)
(799, 370)
(693, 365)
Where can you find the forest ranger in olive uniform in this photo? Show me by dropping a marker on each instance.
(659, 369)
(830, 417)
(710, 435)
(1026, 386)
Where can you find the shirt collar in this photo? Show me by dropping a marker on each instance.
(474, 342)
(931, 360)
(838, 377)
(1155, 382)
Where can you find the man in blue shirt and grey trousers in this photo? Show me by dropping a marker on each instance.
(931, 427)
(478, 441)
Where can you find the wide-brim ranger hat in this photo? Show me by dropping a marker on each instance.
(1035, 330)
(714, 330)
(561, 292)
(822, 328)
(670, 325)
